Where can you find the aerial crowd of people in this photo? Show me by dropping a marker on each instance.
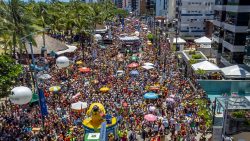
(177, 114)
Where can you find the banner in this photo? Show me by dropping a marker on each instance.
(43, 106)
(123, 23)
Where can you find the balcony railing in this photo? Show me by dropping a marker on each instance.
(246, 60)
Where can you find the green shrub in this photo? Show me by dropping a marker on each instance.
(239, 114)
(192, 61)
(191, 52)
(196, 56)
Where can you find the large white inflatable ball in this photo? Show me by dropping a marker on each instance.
(20, 95)
(62, 61)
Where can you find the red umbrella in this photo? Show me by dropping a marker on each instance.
(84, 69)
(125, 104)
(152, 88)
(150, 117)
(133, 65)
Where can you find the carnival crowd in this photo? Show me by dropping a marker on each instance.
(177, 116)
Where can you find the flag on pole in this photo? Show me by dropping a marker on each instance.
(43, 106)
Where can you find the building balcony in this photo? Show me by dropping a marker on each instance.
(246, 60)
(225, 60)
(237, 8)
(219, 7)
(216, 38)
(217, 23)
(235, 29)
(233, 48)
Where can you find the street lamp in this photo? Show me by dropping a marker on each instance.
(175, 21)
(39, 87)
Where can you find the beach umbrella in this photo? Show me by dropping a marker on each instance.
(76, 96)
(170, 100)
(79, 62)
(104, 89)
(153, 88)
(148, 67)
(150, 95)
(98, 37)
(20, 95)
(149, 44)
(134, 72)
(84, 69)
(133, 65)
(54, 88)
(137, 33)
(44, 76)
(125, 104)
(79, 105)
(148, 64)
(119, 73)
(152, 108)
(172, 96)
(150, 117)
(134, 58)
(95, 81)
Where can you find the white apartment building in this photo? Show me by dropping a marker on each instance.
(192, 15)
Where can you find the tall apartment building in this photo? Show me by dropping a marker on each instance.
(171, 11)
(135, 5)
(246, 59)
(118, 3)
(150, 7)
(192, 15)
(161, 8)
(230, 30)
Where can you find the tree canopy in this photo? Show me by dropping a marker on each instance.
(65, 18)
(9, 72)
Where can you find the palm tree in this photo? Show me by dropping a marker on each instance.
(16, 24)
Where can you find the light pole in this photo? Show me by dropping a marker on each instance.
(38, 87)
(175, 21)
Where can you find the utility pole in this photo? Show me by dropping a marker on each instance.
(225, 117)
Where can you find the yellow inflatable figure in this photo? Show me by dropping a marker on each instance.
(96, 113)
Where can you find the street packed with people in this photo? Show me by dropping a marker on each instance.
(151, 99)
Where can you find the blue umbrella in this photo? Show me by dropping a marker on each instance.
(134, 72)
(150, 95)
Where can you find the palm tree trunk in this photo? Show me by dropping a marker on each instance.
(14, 45)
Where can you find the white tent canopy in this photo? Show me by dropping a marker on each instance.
(203, 40)
(79, 105)
(129, 38)
(179, 40)
(70, 49)
(206, 66)
(235, 71)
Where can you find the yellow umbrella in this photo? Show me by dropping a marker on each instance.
(79, 62)
(104, 89)
(150, 44)
(54, 88)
